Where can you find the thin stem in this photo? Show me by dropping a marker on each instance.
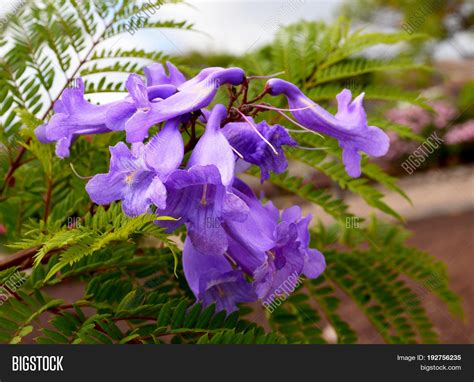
(13, 167)
(24, 258)
(259, 97)
(77, 174)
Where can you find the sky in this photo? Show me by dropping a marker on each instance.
(235, 26)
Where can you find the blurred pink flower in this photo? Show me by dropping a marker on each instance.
(412, 116)
(444, 113)
(461, 133)
(3, 230)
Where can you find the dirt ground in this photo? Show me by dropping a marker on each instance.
(449, 238)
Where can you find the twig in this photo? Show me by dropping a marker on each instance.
(24, 258)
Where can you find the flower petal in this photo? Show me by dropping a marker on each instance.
(135, 196)
(165, 151)
(138, 91)
(197, 266)
(156, 193)
(314, 264)
(122, 159)
(156, 75)
(243, 138)
(105, 188)
(351, 159)
(213, 148)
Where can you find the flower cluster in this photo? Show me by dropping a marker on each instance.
(237, 249)
(421, 121)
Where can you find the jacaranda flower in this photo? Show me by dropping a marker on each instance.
(213, 280)
(349, 126)
(192, 95)
(272, 247)
(236, 249)
(136, 176)
(75, 116)
(200, 196)
(243, 138)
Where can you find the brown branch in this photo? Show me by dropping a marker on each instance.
(24, 259)
(13, 167)
(260, 96)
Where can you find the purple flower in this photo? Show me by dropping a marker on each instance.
(243, 138)
(192, 95)
(156, 75)
(213, 280)
(137, 176)
(139, 101)
(274, 249)
(348, 126)
(73, 116)
(200, 196)
(213, 147)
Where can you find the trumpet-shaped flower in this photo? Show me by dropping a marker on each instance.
(271, 247)
(137, 176)
(192, 95)
(349, 126)
(201, 195)
(243, 138)
(74, 116)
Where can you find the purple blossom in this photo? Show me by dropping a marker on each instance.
(200, 196)
(213, 280)
(237, 249)
(137, 176)
(243, 138)
(140, 100)
(74, 116)
(193, 95)
(271, 247)
(349, 126)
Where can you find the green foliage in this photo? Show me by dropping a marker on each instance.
(134, 288)
(374, 264)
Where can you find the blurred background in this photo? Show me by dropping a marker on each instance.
(441, 216)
